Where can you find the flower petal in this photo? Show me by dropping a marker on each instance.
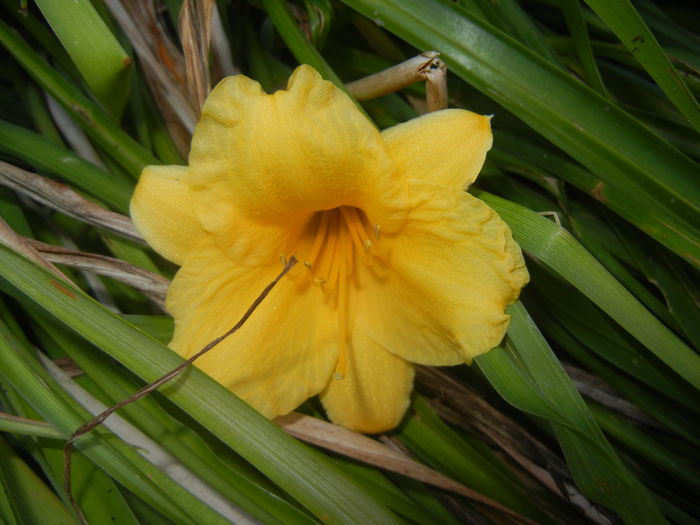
(279, 158)
(446, 147)
(452, 271)
(285, 352)
(163, 211)
(374, 394)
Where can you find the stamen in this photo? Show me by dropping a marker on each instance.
(320, 237)
(336, 256)
(351, 219)
(327, 255)
(336, 240)
(342, 365)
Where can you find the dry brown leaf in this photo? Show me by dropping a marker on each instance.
(63, 199)
(195, 35)
(23, 246)
(462, 407)
(151, 284)
(365, 449)
(592, 387)
(161, 62)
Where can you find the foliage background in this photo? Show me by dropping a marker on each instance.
(588, 412)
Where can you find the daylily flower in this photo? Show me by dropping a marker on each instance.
(398, 265)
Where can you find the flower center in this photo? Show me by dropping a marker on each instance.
(338, 237)
(334, 242)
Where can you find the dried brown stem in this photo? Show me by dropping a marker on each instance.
(21, 245)
(424, 67)
(340, 440)
(149, 283)
(195, 35)
(159, 58)
(97, 420)
(63, 199)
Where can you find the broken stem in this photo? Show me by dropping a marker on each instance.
(424, 67)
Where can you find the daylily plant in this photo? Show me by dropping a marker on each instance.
(398, 264)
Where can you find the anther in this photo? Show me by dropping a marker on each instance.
(307, 264)
(338, 376)
(377, 231)
(283, 259)
(368, 244)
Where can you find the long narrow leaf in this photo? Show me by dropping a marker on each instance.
(99, 57)
(91, 117)
(592, 460)
(614, 146)
(624, 20)
(304, 474)
(558, 249)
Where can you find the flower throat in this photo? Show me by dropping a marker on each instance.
(334, 241)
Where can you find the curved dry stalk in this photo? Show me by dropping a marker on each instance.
(148, 448)
(102, 416)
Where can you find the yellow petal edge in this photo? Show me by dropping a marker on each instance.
(397, 265)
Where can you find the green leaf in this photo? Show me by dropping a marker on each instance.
(560, 251)
(47, 156)
(28, 498)
(438, 445)
(101, 60)
(579, 33)
(614, 146)
(598, 471)
(624, 20)
(95, 121)
(303, 473)
(646, 446)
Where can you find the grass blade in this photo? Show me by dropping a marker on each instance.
(558, 249)
(89, 115)
(614, 146)
(628, 25)
(303, 473)
(592, 460)
(101, 60)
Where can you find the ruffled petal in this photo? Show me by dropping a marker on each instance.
(285, 352)
(450, 274)
(374, 394)
(278, 158)
(445, 147)
(163, 211)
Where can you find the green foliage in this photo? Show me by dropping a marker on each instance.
(594, 167)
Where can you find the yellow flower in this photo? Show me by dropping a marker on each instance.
(398, 265)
